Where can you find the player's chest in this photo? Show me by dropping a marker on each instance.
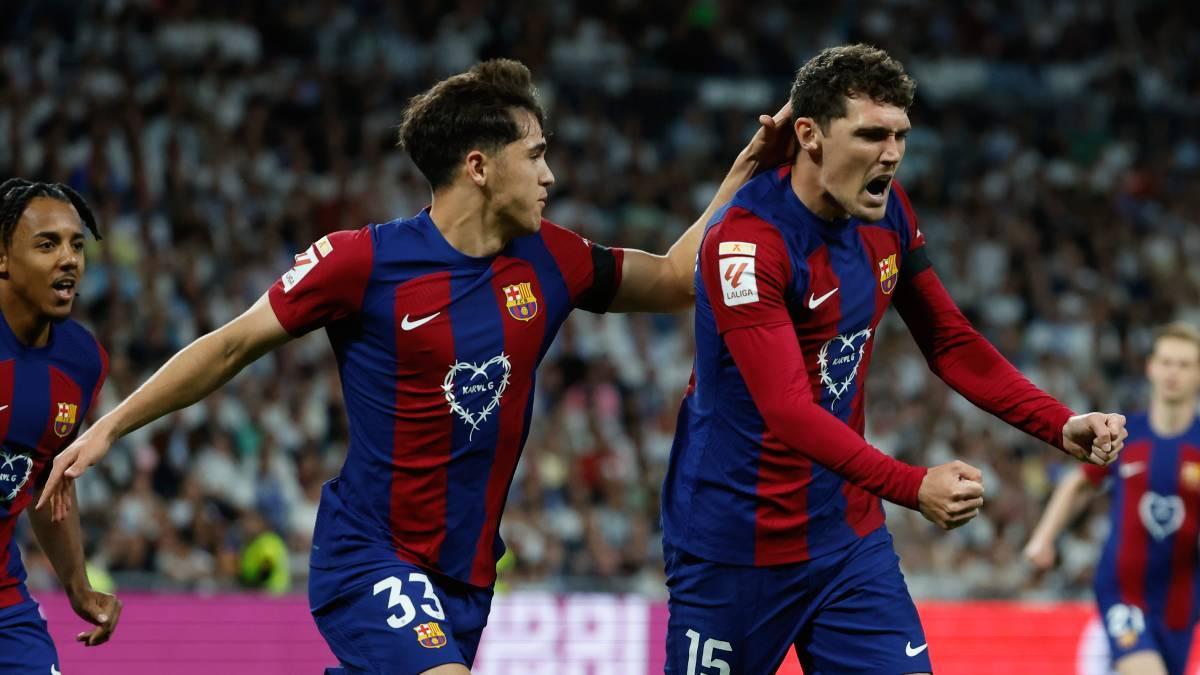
(41, 406)
(1161, 485)
(846, 285)
(479, 319)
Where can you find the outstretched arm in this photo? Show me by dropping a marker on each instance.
(970, 365)
(193, 373)
(326, 284)
(63, 545)
(1071, 494)
(664, 283)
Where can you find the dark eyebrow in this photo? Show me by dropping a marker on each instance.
(54, 235)
(538, 147)
(880, 131)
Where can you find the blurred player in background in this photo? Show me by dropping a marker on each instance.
(773, 527)
(438, 323)
(51, 370)
(1146, 581)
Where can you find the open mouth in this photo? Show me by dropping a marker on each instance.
(64, 288)
(877, 186)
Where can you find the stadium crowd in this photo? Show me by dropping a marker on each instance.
(1054, 166)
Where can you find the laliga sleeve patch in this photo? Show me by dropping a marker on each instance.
(738, 283)
(306, 261)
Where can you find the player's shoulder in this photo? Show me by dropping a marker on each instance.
(551, 233)
(751, 221)
(1193, 434)
(564, 244)
(1137, 424)
(754, 207)
(899, 212)
(76, 345)
(764, 195)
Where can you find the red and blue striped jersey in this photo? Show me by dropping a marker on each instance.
(1150, 557)
(437, 353)
(769, 465)
(45, 393)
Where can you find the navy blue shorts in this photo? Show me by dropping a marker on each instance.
(397, 619)
(25, 644)
(1132, 629)
(848, 612)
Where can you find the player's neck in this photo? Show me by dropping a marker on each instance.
(30, 327)
(1172, 419)
(465, 222)
(806, 183)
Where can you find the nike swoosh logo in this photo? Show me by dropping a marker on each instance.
(1131, 469)
(908, 649)
(815, 302)
(410, 325)
(3, 407)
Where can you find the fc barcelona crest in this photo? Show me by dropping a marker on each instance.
(521, 303)
(888, 274)
(64, 420)
(430, 635)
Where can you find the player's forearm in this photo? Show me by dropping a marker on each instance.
(196, 371)
(1066, 500)
(62, 542)
(970, 365)
(682, 255)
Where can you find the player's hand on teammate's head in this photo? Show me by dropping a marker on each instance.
(69, 465)
(101, 609)
(1095, 438)
(951, 494)
(774, 143)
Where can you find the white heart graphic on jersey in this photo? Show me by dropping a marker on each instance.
(478, 382)
(1161, 515)
(847, 350)
(14, 473)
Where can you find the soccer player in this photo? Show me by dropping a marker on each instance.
(773, 528)
(51, 370)
(438, 323)
(1146, 581)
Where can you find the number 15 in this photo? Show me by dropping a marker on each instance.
(710, 646)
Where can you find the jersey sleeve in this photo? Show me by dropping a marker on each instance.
(326, 283)
(910, 231)
(746, 270)
(771, 364)
(965, 360)
(591, 271)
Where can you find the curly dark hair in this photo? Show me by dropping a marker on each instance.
(824, 83)
(16, 193)
(469, 111)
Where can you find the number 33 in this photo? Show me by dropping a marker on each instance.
(407, 612)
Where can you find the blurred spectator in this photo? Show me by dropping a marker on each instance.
(1054, 164)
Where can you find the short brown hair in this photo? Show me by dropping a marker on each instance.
(824, 83)
(1178, 330)
(471, 110)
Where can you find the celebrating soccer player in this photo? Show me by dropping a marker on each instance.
(438, 323)
(773, 527)
(51, 370)
(1147, 578)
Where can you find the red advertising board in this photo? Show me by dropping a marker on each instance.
(544, 634)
